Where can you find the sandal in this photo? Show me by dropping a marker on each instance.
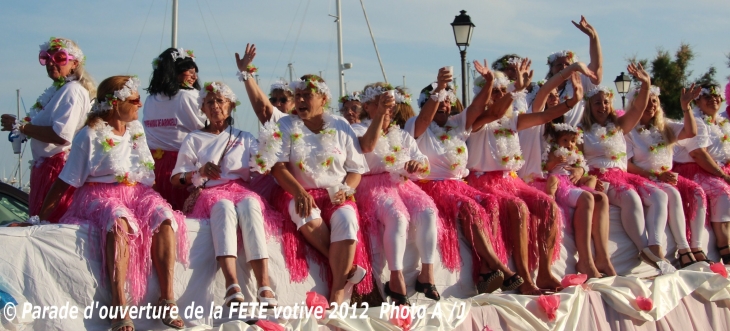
(236, 295)
(725, 257)
(270, 302)
(121, 324)
(490, 282)
(166, 318)
(398, 299)
(704, 257)
(690, 256)
(512, 283)
(429, 290)
(659, 263)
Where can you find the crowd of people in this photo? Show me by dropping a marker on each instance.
(507, 170)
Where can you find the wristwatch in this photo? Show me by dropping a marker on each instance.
(182, 178)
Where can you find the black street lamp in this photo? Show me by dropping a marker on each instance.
(463, 28)
(623, 84)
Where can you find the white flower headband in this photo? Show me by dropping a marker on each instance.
(56, 44)
(600, 88)
(354, 96)
(217, 87)
(653, 90)
(567, 127)
(713, 90)
(313, 85)
(111, 100)
(498, 82)
(564, 53)
(373, 91)
(182, 54)
(446, 94)
(280, 85)
(507, 62)
(402, 98)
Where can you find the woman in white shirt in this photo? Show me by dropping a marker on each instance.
(54, 119)
(215, 160)
(441, 130)
(112, 170)
(386, 195)
(171, 111)
(709, 165)
(650, 150)
(604, 148)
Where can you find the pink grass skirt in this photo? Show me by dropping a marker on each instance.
(454, 198)
(374, 189)
(99, 205)
(693, 174)
(622, 180)
(163, 170)
(539, 205)
(44, 173)
(296, 246)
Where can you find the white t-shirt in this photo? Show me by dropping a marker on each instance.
(496, 147)
(320, 160)
(647, 147)
(66, 113)
(605, 147)
(167, 121)
(200, 147)
(442, 157)
(711, 137)
(89, 163)
(574, 115)
(277, 114)
(700, 140)
(531, 141)
(407, 147)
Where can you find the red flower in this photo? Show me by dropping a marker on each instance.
(209, 88)
(277, 135)
(27, 119)
(444, 137)
(110, 141)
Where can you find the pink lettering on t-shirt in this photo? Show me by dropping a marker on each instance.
(160, 122)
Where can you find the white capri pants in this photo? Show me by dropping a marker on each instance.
(343, 223)
(247, 214)
(675, 219)
(635, 222)
(396, 232)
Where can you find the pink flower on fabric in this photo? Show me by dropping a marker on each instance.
(645, 304)
(487, 328)
(549, 304)
(573, 280)
(269, 326)
(403, 323)
(719, 268)
(315, 299)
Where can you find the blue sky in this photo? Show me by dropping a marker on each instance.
(414, 38)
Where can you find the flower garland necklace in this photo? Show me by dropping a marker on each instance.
(455, 147)
(660, 155)
(719, 127)
(127, 170)
(611, 140)
(389, 150)
(47, 95)
(270, 141)
(314, 163)
(507, 146)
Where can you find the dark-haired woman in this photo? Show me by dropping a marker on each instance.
(171, 112)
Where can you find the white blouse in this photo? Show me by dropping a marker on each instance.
(531, 142)
(200, 147)
(320, 160)
(496, 147)
(574, 115)
(714, 136)
(66, 113)
(98, 156)
(648, 150)
(392, 150)
(604, 147)
(445, 147)
(168, 120)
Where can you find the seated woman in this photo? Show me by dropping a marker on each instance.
(215, 159)
(112, 170)
(650, 149)
(385, 194)
(351, 107)
(604, 148)
(709, 165)
(441, 129)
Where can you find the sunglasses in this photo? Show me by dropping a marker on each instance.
(136, 102)
(280, 100)
(60, 57)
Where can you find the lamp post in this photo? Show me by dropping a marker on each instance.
(623, 83)
(463, 28)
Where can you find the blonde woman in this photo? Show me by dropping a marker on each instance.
(54, 119)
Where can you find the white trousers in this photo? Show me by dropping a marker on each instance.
(343, 223)
(675, 218)
(396, 233)
(247, 214)
(635, 222)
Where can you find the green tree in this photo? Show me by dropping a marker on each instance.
(670, 74)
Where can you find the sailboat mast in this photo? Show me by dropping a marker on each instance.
(20, 156)
(341, 62)
(174, 23)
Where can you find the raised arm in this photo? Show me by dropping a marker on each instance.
(689, 129)
(386, 103)
(259, 101)
(596, 64)
(428, 111)
(538, 104)
(633, 114)
(499, 107)
(525, 121)
(479, 105)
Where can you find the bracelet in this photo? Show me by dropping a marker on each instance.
(182, 179)
(243, 75)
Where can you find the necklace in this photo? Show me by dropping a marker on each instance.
(507, 146)
(455, 147)
(140, 164)
(47, 95)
